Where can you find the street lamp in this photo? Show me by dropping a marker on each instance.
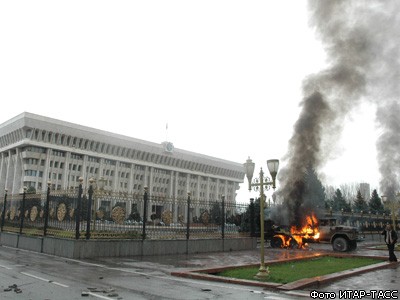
(23, 193)
(46, 215)
(3, 215)
(78, 209)
(102, 183)
(89, 208)
(100, 186)
(259, 183)
(394, 205)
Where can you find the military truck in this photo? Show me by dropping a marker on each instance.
(343, 238)
(280, 236)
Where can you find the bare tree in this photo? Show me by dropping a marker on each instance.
(330, 192)
(349, 191)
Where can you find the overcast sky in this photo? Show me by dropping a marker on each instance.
(225, 76)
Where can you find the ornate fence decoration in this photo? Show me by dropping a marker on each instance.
(66, 214)
(76, 213)
(367, 222)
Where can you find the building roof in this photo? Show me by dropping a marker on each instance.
(32, 121)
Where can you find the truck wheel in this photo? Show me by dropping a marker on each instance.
(276, 242)
(352, 245)
(340, 244)
(293, 244)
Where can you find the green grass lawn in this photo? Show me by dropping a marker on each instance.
(291, 271)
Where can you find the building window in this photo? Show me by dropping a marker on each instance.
(93, 159)
(28, 133)
(35, 149)
(76, 156)
(58, 153)
(30, 173)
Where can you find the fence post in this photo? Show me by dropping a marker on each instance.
(22, 210)
(89, 210)
(252, 218)
(46, 212)
(188, 216)
(145, 199)
(223, 217)
(78, 209)
(3, 215)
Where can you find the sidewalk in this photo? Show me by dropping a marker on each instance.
(368, 283)
(377, 284)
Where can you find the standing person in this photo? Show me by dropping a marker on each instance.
(390, 239)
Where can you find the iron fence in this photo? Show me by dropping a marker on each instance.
(99, 214)
(365, 222)
(78, 213)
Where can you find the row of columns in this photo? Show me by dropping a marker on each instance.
(12, 172)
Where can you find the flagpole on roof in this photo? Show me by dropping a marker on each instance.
(166, 132)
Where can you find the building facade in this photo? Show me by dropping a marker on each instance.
(36, 149)
(365, 191)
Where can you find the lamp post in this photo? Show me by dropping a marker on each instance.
(23, 192)
(101, 183)
(46, 212)
(394, 206)
(145, 200)
(89, 208)
(3, 215)
(188, 216)
(78, 210)
(258, 184)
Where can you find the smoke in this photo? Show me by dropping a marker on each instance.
(361, 41)
(305, 150)
(388, 146)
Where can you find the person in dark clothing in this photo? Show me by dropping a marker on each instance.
(390, 240)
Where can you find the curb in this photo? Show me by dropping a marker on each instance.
(207, 274)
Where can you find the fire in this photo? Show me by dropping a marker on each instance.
(299, 235)
(308, 230)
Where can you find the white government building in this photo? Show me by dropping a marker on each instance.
(36, 149)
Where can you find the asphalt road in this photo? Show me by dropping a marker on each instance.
(28, 275)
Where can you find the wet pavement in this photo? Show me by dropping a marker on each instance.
(377, 284)
(30, 275)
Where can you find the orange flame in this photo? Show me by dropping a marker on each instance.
(307, 231)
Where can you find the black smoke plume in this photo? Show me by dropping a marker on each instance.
(388, 146)
(361, 40)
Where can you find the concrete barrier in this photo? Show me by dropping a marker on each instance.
(30, 243)
(120, 248)
(9, 239)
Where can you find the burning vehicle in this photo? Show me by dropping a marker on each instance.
(343, 238)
